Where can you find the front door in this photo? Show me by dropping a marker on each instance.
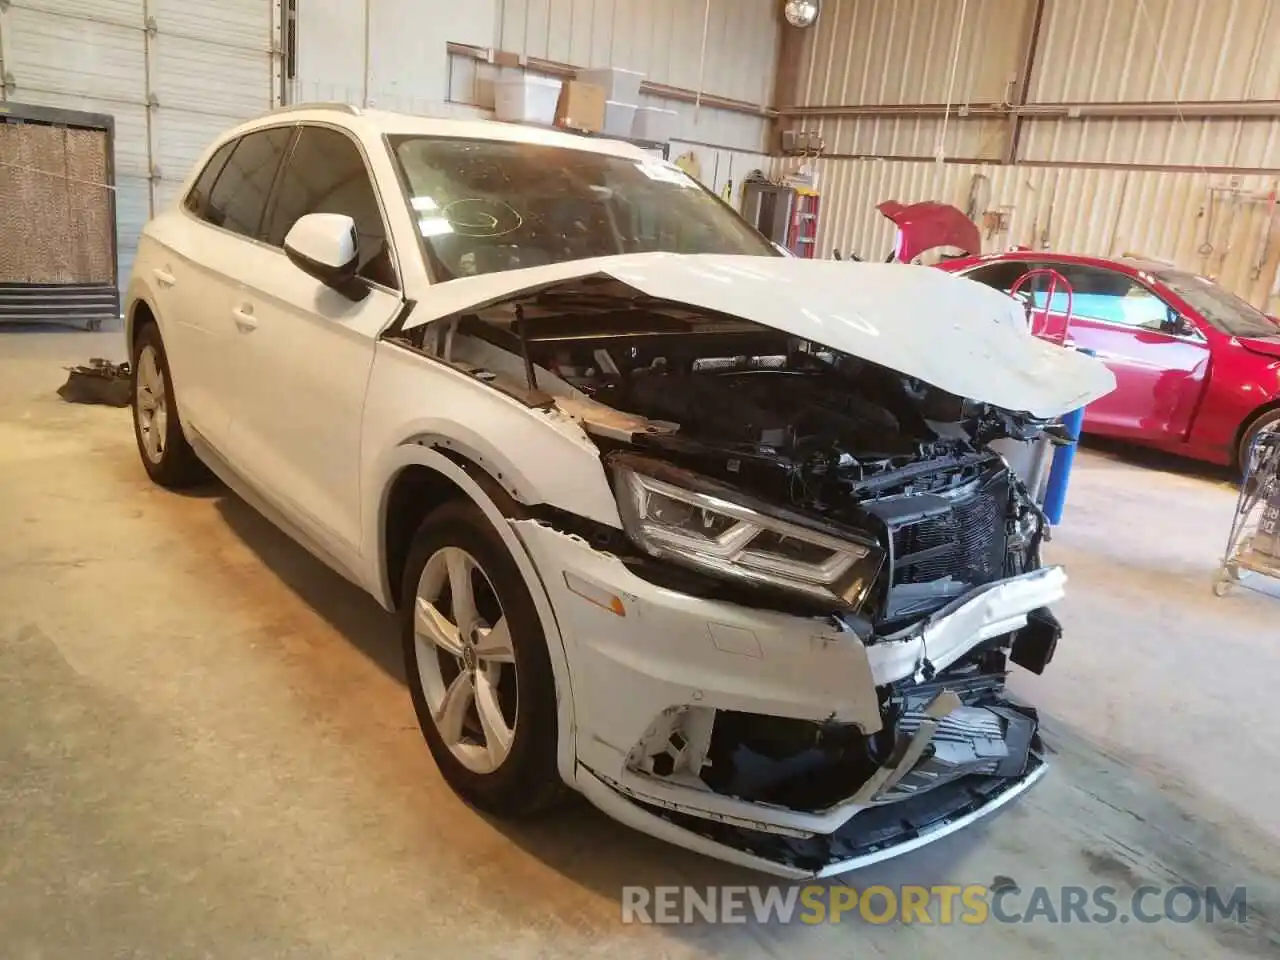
(304, 351)
(1160, 374)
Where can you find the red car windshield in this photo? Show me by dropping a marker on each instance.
(1223, 309)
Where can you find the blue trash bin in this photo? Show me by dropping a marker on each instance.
(1055, 494)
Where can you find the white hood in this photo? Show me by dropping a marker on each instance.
(952, 333)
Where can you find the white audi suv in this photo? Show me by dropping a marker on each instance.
(713, 536)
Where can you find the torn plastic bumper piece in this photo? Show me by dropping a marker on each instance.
(876, 833)
(953, 765)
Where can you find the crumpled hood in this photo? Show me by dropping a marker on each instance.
(955, 334)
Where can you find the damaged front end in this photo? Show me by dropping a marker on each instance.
(822, 578)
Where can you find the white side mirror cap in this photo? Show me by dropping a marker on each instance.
(324, 245)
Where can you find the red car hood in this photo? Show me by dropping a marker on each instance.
(927, 225)
(1267, 346)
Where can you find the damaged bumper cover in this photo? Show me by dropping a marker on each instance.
(653, 669)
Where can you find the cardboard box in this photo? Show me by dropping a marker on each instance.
(581, 107)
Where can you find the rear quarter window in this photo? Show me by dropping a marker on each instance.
(197, 198)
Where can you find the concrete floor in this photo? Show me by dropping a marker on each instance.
(207, 749)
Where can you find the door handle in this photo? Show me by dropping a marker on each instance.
(164, 278)
(246, 322)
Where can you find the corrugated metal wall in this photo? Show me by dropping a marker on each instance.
(409, 68)
(1102, 176)
(1219, 226)
(877, 52)
(174, 74)
(664, 40)
(393, 54)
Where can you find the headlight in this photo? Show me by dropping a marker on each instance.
(703, 529)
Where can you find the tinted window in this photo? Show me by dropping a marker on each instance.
(198, 198)
(240, 193)
(326, 174)
(1098, 294)
(1224, 310)
(487, 205)
(1002, 275)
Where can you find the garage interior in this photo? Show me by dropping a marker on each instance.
(206, 744)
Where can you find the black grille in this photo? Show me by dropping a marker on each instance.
(966, 543)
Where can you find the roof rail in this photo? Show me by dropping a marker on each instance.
(347, 108)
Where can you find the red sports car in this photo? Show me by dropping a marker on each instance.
(1197, 368)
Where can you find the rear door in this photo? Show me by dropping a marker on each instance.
(211, 234)
(303, 352)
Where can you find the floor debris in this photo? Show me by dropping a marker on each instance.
(98, 381)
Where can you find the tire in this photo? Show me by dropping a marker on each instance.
(1268, 418)
(166, 455)
(508, 770)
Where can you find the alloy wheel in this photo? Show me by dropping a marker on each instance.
(150, 406)
(466, 663)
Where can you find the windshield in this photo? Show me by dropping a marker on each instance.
(1224, 310)
(485, 206)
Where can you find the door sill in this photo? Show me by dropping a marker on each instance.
(247, 492)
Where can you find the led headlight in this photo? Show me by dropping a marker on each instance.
(692, 522)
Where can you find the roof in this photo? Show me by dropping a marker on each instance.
(376, 123)
(1084, 259)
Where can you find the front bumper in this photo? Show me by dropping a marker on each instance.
(642, 658)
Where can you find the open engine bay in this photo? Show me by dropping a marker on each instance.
(722, 419)
(826, 440)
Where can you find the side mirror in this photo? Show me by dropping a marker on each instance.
(324, 246)
(1177, 325)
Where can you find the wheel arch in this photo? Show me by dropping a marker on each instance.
(139, 314)
(1271, 406)
(424, 474)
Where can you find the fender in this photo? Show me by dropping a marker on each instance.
(415, 453)
(139, 291)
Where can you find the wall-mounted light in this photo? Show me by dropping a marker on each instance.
(801, 13)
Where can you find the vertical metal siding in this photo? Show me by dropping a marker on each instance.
(204, 68)
(1157, 50)
(721, 168)
(1215, 225)
(872, 51)
(1141, 50)
(660, 38)
(663, 40)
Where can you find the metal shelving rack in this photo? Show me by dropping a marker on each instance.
(1253, 546)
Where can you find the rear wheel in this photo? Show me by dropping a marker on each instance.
(166, 455)
(477, 665)
(1267, 420)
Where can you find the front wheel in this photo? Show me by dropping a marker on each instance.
(1268, 420)
(477, 665)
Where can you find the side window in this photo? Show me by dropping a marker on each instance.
(239, 195)
(1098, 294)
(197, 200)
(326, 174)
(1002, 275)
